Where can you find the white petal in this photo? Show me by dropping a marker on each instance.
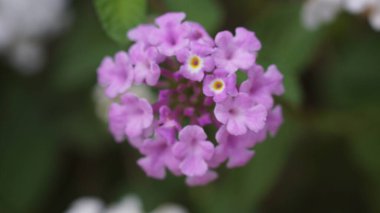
(317, 12)
(86, 205)
(374, 20)
(169, 208)
(129, 203)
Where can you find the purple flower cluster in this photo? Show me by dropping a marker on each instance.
(195, 77)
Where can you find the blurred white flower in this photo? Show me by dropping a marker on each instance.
(374, 17)
(317, 12)
(358, 6)
(169, 208)
(86, 205)
(27, 56)
(128, 204)
(102, 102)
(143, 91)
(25, 26)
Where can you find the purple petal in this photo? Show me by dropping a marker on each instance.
(236, 126)
(221, 110)
(220, 155)
(207, 149)
(180, 149)
(173, 164)
(170, 18)
(117, 122)
(208, 177)
(154, 74)
(152, 167)
(239, 158)
(264, 98)
(191, 132)
(274, 120)
(142, 33)
(222, 61)
(193, 166)
(247, 39)
(274, 80)
(220, 97)
(223, 39)
(256, 117)
(243, 59)
(206, 85)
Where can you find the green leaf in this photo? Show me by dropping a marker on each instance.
(118, 16)
(207, 12)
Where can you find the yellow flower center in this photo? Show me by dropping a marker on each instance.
(217, 85)
(195, 62)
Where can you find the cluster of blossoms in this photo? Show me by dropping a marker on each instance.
(128, 204)
(316, 12)
(195, 77)
(25, 27)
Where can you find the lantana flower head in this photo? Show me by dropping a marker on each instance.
(202, 116)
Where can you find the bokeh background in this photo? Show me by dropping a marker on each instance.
(325, 158)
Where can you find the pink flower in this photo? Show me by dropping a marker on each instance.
(130, 117)
(168, 119)
(239, 52)
(220, 85)
(274, 121)
(208, 177)
(145, 64)
(158, 154)
(235, 148)
(261, 86)
(198, 34)
(240, 113)
(195, 79)
(196, 61)
(143, 33)
(193, 150)
(116, 75)
(171, 35)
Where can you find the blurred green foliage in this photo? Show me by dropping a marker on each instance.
(53, 148)
(290, 46)
(209, 13)
(120, 15)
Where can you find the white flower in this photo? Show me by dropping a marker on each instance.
(358, 6)
(374, 17)
(86, 205)
(317, 12)
(169, 208)
(27, 56)
(128, 204)
(25, 26)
